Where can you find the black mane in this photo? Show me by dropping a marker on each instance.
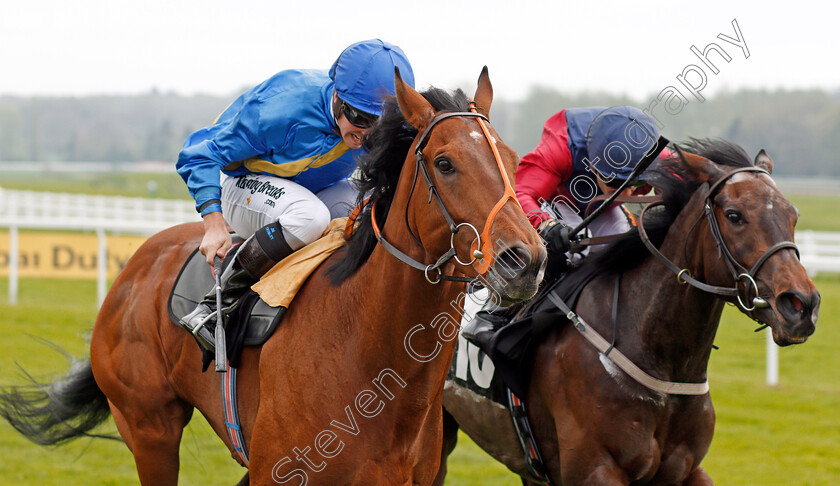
(676, 187)
(386, 146)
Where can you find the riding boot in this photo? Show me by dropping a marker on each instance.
(481, 328)
(254, 257)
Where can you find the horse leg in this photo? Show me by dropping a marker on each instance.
(122, 426)
(450, 439)
(698, 477)
(156, 437)
(151, 419)
(605, 476)
(245, 481)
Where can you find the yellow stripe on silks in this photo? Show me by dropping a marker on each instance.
(222, 113)
(291, 169)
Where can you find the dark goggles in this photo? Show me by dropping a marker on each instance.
(357, 118)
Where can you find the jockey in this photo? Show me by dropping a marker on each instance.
(274, 166)
(583, 153)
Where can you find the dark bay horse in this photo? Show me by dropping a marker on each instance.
(593, 423)
(348, 390)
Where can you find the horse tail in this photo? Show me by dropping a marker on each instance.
(57, 412)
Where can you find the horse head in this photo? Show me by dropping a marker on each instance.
(468, 172)
(751, 231)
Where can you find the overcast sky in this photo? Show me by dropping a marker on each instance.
(81, 47)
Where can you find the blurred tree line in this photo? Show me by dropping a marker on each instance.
(800, 129)
(102, 128)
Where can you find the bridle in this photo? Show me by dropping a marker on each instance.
(480, 251)
(739, 272)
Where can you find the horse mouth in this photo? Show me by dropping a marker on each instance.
(516, 275)
(514, 292)
(786, 333)
(782, 338)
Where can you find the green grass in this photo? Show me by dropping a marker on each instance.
(764, 436)
(780, 435)
(162, 185)
(784, 435)
(63, 312)
(818, 213)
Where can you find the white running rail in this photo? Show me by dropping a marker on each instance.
(820, 251)
(134, 215)
(82, 212)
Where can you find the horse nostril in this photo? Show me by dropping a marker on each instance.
(795, 305)
(512, 262)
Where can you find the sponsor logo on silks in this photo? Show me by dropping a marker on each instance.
(255, 186)
(270, 232)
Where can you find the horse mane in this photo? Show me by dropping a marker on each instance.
(676, 187)
(386, 147)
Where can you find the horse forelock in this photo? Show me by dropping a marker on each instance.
(386, 148)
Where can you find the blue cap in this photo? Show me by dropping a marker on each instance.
(364, 74)
(619, 137)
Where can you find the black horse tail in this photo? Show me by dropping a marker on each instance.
(57, 412)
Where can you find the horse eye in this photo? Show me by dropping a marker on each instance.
(444, 166)
(734, 217)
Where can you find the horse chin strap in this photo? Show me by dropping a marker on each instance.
(483, 253)
(738, 271)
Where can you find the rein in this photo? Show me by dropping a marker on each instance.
(622, 361)
(534, 463)
(484, 251)
(738, 271)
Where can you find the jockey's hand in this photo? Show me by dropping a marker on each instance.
(216, 239)
(556, 235)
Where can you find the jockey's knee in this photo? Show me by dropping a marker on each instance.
(320, 222)
(304, 227)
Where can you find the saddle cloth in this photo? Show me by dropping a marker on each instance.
(511, 347)
(261, 309)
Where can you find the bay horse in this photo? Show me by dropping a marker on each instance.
(726, 230)
(348, 389)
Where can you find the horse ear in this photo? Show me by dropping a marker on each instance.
(484, 93)
(764, 161)
(700, 168)
(416, 110)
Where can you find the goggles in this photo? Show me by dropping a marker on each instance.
(357, 118)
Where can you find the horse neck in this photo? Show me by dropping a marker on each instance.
(679, 322)
(393, 299)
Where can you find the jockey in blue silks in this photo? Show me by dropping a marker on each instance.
(274, 166)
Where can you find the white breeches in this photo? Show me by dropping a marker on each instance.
(252, 201)
(613, 221)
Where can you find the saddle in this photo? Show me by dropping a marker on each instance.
(259, 311)
(253, 322)
(512, 346)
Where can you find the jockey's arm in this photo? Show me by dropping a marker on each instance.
(216, 240)
(201, 161)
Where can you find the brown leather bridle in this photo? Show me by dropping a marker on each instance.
(739, 272)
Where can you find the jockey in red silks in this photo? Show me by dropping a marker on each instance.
(583, 153)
